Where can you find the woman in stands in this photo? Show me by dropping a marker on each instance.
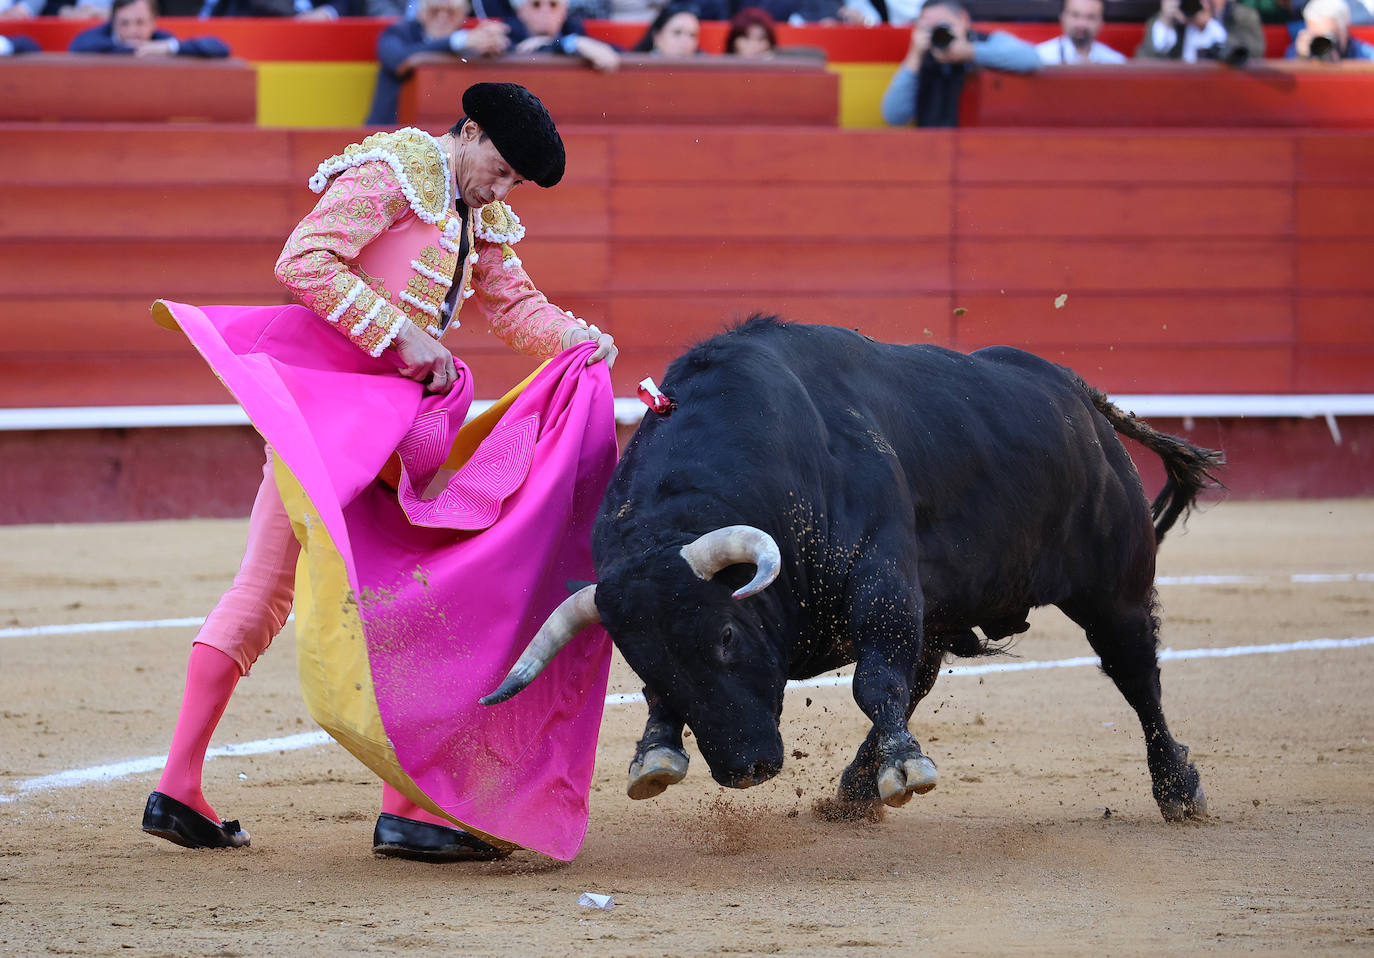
(674, 33)
(753, 34)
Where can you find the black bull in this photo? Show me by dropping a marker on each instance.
(818, 498)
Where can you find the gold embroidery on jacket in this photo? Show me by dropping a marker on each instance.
(415, 158)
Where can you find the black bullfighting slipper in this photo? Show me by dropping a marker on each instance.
(422, 842)
(181, 824)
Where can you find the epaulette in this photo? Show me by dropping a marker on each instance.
(497, 223)
(417, 160)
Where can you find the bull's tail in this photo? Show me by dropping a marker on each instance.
(1188, 467)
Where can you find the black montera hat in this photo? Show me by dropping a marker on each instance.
(519, 127)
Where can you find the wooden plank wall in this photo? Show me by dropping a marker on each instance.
(79, 87)
(701, 92)
(1278, 93)
(1198, 262)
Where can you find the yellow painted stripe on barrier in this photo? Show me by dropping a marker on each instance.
(314, 94)
(861, 93)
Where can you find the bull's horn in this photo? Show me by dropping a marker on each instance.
(575, 613)
(723, 547)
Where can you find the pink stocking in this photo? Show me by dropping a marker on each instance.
(397, 804)
(210, 680)
(238, 630)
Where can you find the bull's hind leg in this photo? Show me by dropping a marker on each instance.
(1125, 641)
(659, 759)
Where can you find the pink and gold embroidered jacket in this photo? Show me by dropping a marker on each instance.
(382, 245)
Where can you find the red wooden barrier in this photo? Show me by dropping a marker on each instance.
(645, 89)
(1162, 94)
(77, 87)
(1177, 278)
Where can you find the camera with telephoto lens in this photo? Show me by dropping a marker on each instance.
(942, 36)
(1232, 56)
(1190, 8)
(1320, 47)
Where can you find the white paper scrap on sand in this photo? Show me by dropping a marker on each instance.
(592, 900)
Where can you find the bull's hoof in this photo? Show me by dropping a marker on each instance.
(655, 770)
(1192, 809)
(914, 776)
(1178, 789)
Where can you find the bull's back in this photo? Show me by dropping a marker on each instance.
(950, 417)
(1017, 484)
(956, 421)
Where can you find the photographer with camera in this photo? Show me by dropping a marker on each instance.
(1192, 30)
(928, 82)
(1325, 34)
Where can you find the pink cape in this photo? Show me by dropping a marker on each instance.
(451, 588)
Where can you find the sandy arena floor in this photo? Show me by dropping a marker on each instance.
(1015, 853)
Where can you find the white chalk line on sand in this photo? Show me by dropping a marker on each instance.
(153, 763)
(195, 622)
(122, 625)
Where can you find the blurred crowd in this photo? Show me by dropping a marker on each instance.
(925, 89)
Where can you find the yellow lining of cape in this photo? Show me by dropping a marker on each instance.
(336, 677)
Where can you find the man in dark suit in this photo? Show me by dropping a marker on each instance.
(296, 9)
(544, 26)
(437, 28)
(132, 29)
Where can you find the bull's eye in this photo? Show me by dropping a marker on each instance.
(727, 637)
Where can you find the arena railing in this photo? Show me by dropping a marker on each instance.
(629, 411)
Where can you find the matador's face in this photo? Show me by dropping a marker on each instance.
(482, 173)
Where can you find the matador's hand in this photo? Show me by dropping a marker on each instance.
(424, 359)
(605, 344)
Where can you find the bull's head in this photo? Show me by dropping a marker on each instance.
(693, 643)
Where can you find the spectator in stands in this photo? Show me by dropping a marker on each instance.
(752, 34)
(296, 9)
(1190, 30)
(11, 45)
(929, 81)
(643, 11)
(1325, 34)
(132, 29)
(543, 26)
(437, 28)
(82, 10)
(481, 9)
(800, 12)
(1082, 22)
(1273, 11)
(675, 32)
(100, 9)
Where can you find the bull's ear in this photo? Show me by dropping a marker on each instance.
(577, 585)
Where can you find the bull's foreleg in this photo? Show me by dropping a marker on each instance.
(659, 759)
(890, 766)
